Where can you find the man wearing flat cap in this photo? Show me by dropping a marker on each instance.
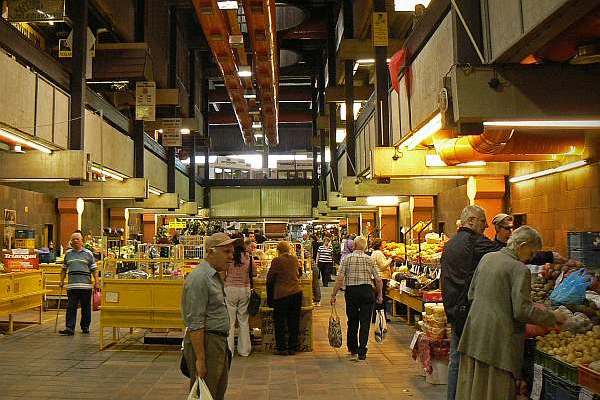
(205, 315)
(503, 223)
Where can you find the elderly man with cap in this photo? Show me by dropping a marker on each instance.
(205, 316)
(503, 223)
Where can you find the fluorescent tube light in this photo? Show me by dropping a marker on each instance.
(562, 168)
(546, 124)
(340, 135)
(155, 191)
(184, 131)
(257, 125)
(426, 131)
(34, 180)
(250, 95)
(434, 160)
(409, 5)
(227, 5)
(26, 142)
(108, 173)
(244, 71)
(258, 135)
(382, 200)
(366, 61)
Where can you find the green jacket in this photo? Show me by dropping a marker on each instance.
(501, 306)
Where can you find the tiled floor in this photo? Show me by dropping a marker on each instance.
(35, 363)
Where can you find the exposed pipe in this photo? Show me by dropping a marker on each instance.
(260, 18)
(289, 117)
(501, 145)
(216, 31)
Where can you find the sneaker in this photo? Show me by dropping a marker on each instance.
(85, 331)
(67, 332)
(352, 356)
(362, 357)
(317, 304)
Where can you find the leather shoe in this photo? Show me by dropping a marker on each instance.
(67, 332)
(85, 331)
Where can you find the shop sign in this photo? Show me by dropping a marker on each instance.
(31, 34)
(19, 262)
(171, 136)
(36, 10)
(177, 225)
(145, 101)
(380, 29)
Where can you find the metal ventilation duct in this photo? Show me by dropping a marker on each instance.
(289, 16)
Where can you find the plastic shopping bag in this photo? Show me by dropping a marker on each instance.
(380, 326)
(96, 300)
(199, 391)
(572, 289)
(335, 329)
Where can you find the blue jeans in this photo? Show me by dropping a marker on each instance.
(453, 366)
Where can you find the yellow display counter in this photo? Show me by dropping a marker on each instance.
(412, 303)
(21, 291)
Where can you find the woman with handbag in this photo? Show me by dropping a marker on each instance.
(237, 297)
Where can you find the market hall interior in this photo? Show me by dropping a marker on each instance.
(132, 131)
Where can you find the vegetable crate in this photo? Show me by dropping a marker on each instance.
(558, 367)
(556, 388)
(589, 378)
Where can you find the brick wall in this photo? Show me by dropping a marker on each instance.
(34, 210)
(556, 204)
(449, 205)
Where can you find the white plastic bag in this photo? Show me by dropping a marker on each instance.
(380, 326)
(199, 391)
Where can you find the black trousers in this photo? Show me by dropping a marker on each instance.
(76, 297)
(286, 311)
(359, 309)
(325, 269)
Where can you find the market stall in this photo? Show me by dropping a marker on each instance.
(21, 291)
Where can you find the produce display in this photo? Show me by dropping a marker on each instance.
(431, 251)
(434, 323)
(575, 349)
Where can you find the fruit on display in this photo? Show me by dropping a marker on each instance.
(270, 254)
(575, 349)
(430, 252)
(2, 270)
(541, 288)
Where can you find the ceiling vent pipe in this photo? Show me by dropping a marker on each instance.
(216, 31)
(260, 18)
(501, 145)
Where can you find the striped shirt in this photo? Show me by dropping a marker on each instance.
(358, 269)
(79, 266)
(325, 255)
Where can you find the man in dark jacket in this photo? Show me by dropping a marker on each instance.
(459, 260)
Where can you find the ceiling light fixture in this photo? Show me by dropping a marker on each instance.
(258, 135)
(25, 142)
(562, 168)
(426, 131)
(227, 5)
(184, 131)
(244, 71)
(34, 180)
(382, 200)
(578, 124)
(108, 173)
(155, 191)
(250, 95)
(409, 5)
(257, 125)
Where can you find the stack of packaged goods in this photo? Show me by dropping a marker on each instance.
(432, 348)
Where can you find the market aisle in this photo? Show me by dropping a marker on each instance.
(36, 363)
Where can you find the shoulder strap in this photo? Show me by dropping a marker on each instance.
(250, 271)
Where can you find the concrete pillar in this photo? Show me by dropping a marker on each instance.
(149, 227)
(69, 220)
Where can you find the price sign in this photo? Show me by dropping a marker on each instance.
(145, 101)
(177, 225)
(538, 381)
(171, 136)
(414, 340)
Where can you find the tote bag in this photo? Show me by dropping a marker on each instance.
(199, 391)
(335, 329)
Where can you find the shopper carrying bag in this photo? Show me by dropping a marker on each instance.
(380, 326)
(199, 391)
(335, 329)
